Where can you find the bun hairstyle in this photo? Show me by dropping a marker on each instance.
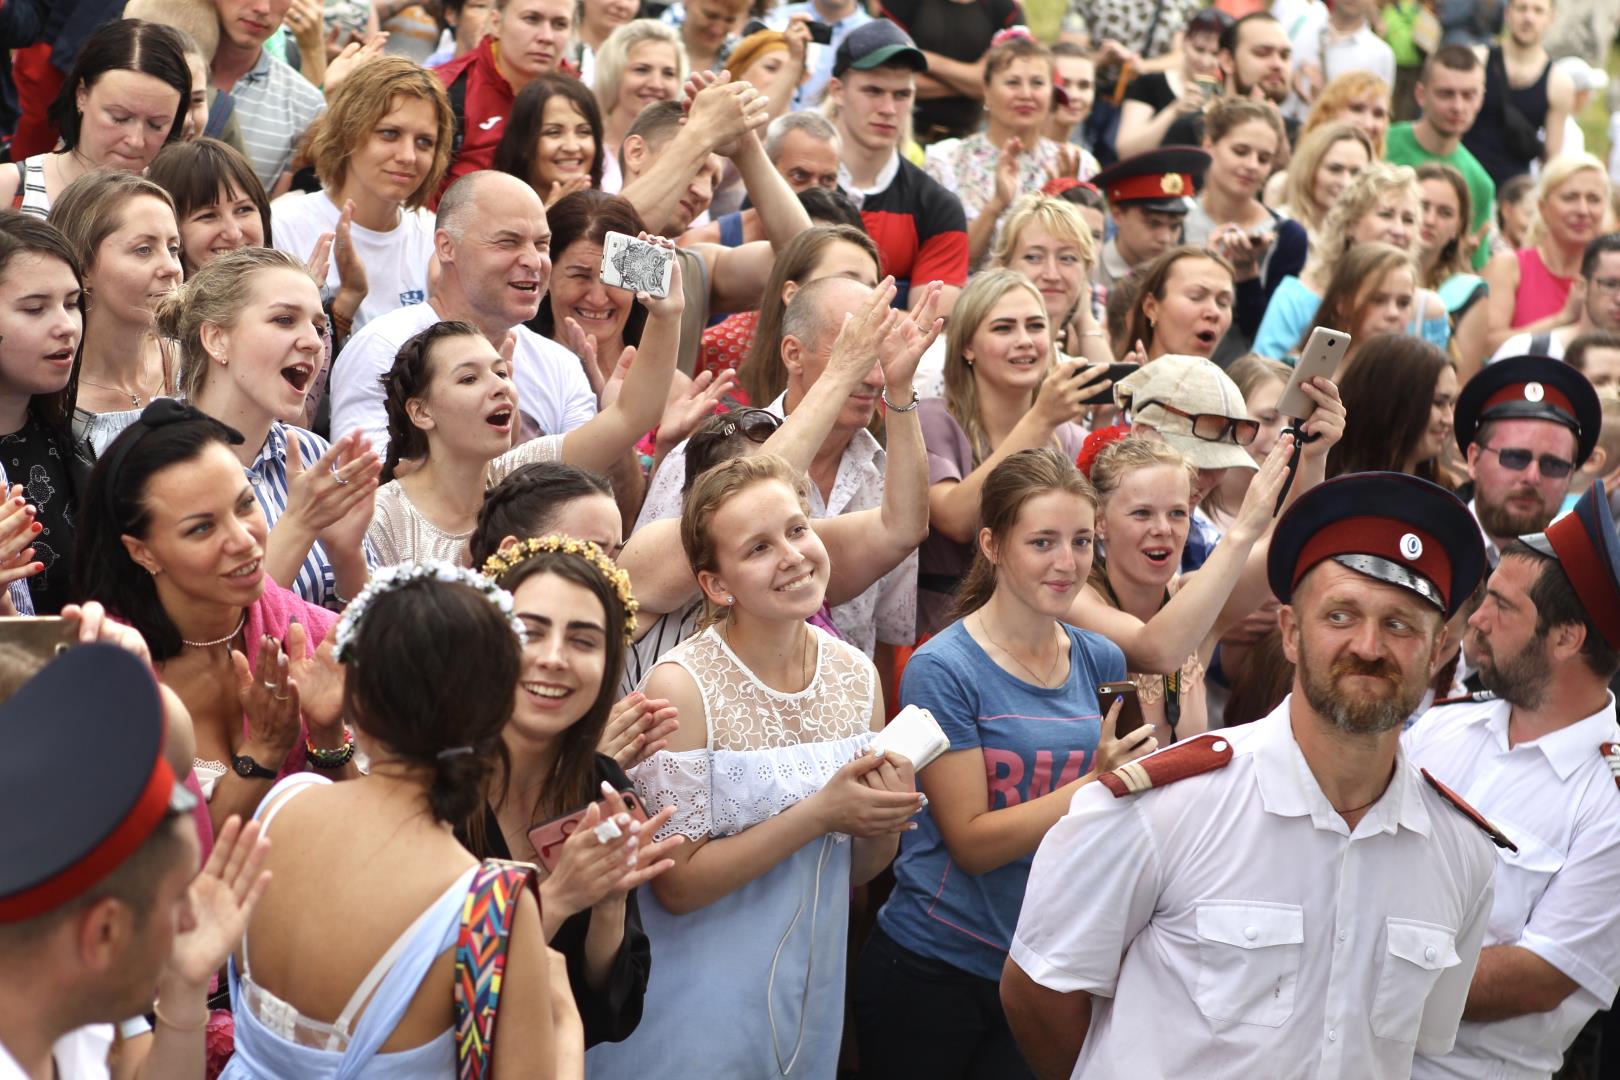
(1018, 479)
(425, 707)
(527, 502)
(214, 295)
(713, 490)
(408, 380)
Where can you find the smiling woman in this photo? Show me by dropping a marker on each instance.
(553, 139)
(218, 200)
(127, 95)
(380, 149)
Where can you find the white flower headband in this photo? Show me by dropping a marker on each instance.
(392, 577)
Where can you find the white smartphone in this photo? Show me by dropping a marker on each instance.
(915, 735)
(636, 265)
(1323, 353)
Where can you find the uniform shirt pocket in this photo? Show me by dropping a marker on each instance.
(1415, 955)
(1248, 960)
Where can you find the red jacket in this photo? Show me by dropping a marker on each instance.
(482, 101)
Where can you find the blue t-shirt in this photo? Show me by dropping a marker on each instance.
(1034, 741)
(1294, 305)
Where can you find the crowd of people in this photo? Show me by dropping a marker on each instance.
(810, 540)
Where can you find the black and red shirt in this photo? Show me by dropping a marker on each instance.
(918, 227)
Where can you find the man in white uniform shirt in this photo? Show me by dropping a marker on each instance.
(1293, 899)
(1546, 642)
(492, 241)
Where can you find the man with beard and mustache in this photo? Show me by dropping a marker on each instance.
(1525, 424)
(1255, 55)
(1292, 891)
(1547, 642)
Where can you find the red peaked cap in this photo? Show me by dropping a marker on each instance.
(1586, 546)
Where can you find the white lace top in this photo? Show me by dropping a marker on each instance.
(765, 750)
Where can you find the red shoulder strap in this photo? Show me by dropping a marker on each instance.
(1496, 835)
(1190, 757)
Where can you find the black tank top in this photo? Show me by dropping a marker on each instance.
(1487, 139)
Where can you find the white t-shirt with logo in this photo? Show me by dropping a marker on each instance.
(396, 261)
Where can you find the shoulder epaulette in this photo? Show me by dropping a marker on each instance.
(1608, 750)
(1497, 836)
(1201, 754)
(1464, 699)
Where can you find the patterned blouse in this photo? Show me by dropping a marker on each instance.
(1131, 22)
(967, 169)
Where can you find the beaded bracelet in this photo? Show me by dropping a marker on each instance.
(331, 759)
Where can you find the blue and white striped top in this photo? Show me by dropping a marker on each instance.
(316, 581)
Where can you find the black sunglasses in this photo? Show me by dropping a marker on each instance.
(1518, 459)
(1211, 427)
(756, 425)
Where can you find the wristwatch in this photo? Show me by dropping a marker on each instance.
(247, 768)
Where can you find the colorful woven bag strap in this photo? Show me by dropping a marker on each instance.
(486, 930)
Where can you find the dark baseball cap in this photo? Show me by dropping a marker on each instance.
(875, 44)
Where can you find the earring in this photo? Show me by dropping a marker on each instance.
(730, 599)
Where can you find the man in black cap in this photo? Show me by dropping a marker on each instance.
(100, 900)
(919, 227)
(1547, 642)
(1525, 424)
(1148, 198)
(1293, 890)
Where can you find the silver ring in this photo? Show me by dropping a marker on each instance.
(341, 482)
(270, 686)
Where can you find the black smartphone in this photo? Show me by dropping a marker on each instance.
(1105, 396)
(1130, 711)
(820, 32)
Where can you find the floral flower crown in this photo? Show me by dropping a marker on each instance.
(618, 580)
(393, 577)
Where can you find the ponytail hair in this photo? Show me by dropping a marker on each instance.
(1018, 479)
(408, 380)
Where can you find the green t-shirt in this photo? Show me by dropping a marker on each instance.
(1402, 148)
(1399, 19)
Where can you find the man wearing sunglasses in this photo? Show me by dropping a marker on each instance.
(1525, 425)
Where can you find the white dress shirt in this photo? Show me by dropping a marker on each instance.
(554, 394)
(1559, 896)
(885, 612)
(81, 1054)
(1232, 925)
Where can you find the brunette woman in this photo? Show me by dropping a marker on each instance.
(218, 201)
(553, 139)
(1005, 392)
(432, 735)
(1244, 139)
(1155, 100)
(1183, 305)
(249, 327)
(1530, 287)
(123, 230)
(1446, 252)
(1322, 166)
(1015, 691)
(452, 407)
(577, 612)
(380, 149)
(1373, 290)
(41, 328)
(641, 62)
(988, 171)
(769, 782)
(128, 93)
(172, 542)
(1399, 395)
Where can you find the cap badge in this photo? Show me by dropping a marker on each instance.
(1172, 184)
(1533, 391)
(1411, 546)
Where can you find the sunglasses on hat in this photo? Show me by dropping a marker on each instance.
(1518, 459)
(1212, 427)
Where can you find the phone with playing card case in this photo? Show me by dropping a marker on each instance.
(636, 265)
(548, 837)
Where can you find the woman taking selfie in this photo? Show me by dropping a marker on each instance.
(128, 94)
(249, 327)
(380, 149)
(1005, 392)
(378, 995)
(452, 408)
(1323, 165)
(1015, 691)
(172, 542)
(218, 200)
(1183, 306)
(782, 810)
(553, 140)
(1446, 253)
(1156, 99)
(123, 230)
(577, 612)
(640, 63)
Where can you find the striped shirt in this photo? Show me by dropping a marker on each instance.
(35, 199)
(316, 582)
(274, 107)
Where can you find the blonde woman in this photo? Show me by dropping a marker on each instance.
(381, 149)
(1384, 205)
(1530, 288)
(1048, 241)
(641, 62)
(1324, 164)
(1005, 391)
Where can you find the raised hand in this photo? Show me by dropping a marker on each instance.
(1260, 501)
(1007, 172)
(637, 728)
(342, 65)
(316, 677)
(564, 188)
(332, 500)
(852, 352)
(1325, 425)
(591, 869)
(352, 283)
(269, 700)
(902, 347)
(695, 404)
(221, 900)
(672, 305)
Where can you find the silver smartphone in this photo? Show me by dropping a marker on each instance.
(1322, 356)
(636, 265)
